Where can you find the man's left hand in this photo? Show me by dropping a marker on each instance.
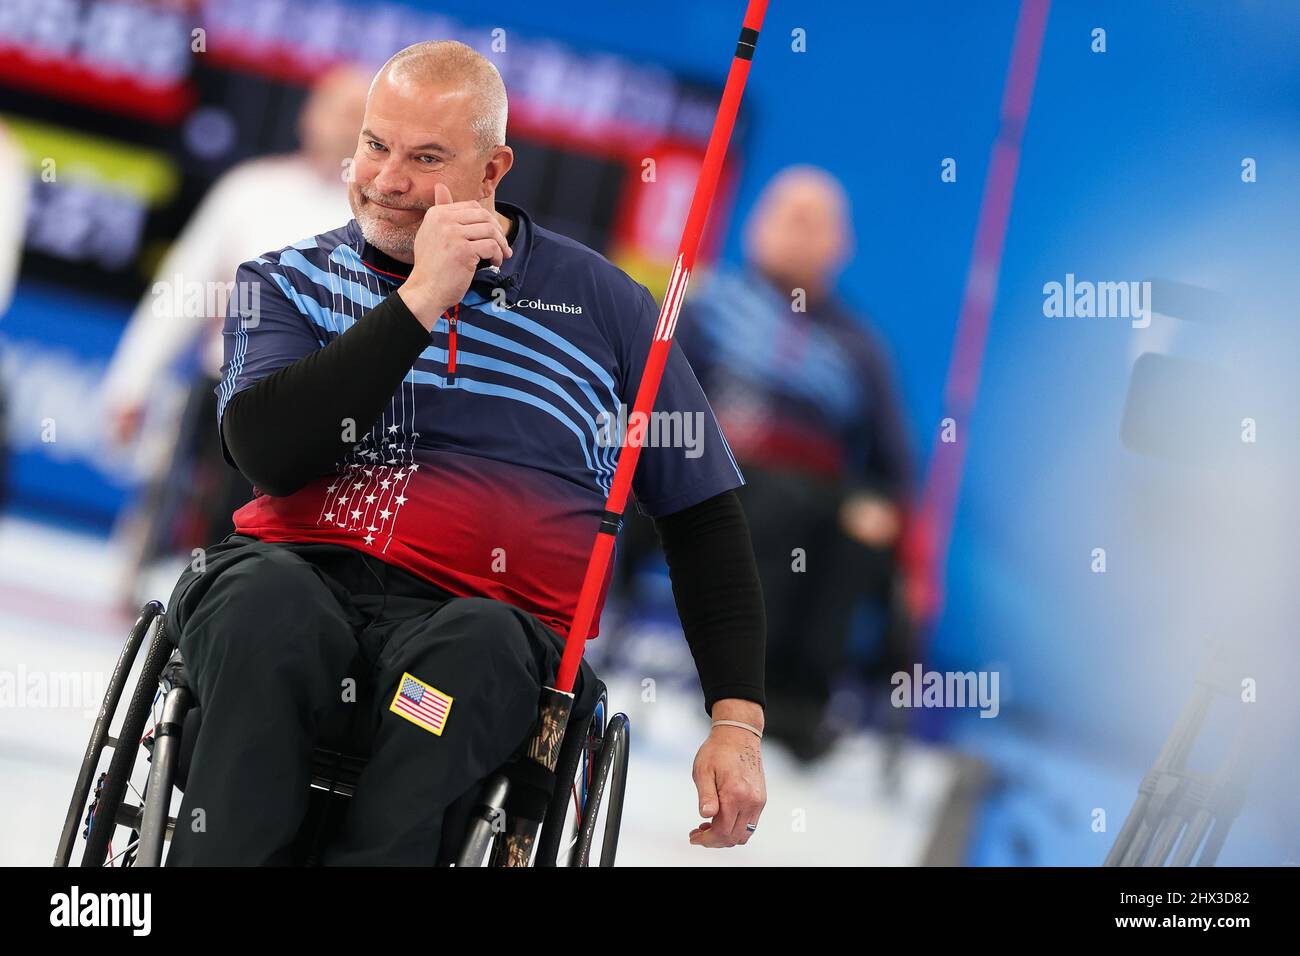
(728, 774)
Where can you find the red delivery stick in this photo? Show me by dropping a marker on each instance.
(598, 566)
(516, 845)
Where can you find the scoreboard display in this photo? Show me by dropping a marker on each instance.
(127, 111)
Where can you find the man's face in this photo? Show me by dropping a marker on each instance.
(328, 124)
(797, 234)
(413, 137)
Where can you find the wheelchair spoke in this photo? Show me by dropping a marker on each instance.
(137, 793)
(127, 849)
(153, 712)
(576, 828)
(573, 842)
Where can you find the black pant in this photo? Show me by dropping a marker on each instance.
(814, 576)
(271, 634)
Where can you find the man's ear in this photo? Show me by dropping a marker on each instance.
(495, 167)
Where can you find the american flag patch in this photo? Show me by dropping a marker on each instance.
(421, 704)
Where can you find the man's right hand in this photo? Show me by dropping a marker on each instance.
(871, 520)
(452, 239)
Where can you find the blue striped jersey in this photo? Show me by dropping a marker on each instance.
(488, 472)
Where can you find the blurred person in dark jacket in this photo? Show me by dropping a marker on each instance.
(805, 395)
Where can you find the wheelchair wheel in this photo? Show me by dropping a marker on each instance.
(105, 810)
(570, 788)
(609, 785)
(592, 765)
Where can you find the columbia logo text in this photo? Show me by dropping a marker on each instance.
(550, 306)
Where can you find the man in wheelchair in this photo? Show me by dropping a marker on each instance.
(423, 400)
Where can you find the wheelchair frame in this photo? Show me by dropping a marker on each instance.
(591, 772)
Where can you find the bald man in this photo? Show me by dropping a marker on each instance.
(805, 396)
(416, 396)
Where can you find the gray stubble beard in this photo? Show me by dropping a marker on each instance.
(378, 233)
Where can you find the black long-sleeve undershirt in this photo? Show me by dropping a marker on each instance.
(718, 596)
(290, 428)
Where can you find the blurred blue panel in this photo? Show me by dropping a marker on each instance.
(54, 347)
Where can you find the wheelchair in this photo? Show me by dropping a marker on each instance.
(590, 776)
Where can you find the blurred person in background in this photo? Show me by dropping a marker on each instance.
(260, 204)
(806, 398)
